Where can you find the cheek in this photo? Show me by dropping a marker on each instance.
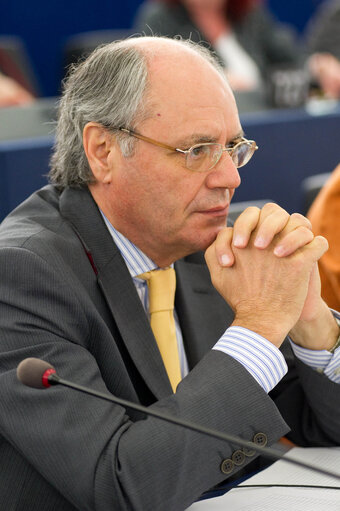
(165, 191)
(175, 198)
(144, 200)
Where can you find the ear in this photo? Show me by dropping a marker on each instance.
(98, 145)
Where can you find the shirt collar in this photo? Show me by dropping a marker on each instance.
(136, 261)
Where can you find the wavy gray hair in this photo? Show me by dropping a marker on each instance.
(110, 87)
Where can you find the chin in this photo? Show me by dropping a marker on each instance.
(204, 241)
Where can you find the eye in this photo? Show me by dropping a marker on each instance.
(199, 151)
(232, 144)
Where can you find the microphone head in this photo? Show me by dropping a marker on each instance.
(33, 372)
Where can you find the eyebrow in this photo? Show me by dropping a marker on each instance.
(239, 135)
(198, 138)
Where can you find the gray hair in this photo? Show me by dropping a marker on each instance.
(109, 87)
(106, 88)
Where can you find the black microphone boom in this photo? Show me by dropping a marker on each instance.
(37, 373)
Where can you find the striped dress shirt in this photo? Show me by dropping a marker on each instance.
(261, 358)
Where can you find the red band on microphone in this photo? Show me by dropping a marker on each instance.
(45, 376)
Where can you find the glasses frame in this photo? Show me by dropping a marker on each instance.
(229, 150)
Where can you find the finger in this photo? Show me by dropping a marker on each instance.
(293, 241)
(223, 249)
(297, 220)
(270, 225)
(244, 225)
(321, 245)
(316, 248)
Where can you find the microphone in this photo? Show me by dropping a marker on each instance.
(39, 374)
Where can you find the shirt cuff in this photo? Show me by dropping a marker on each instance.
(261, 358)
(321, 360)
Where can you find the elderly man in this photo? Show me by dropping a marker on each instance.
(145, 166)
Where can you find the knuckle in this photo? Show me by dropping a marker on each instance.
(252, 209)
(274, 215)
(224, 231)
(305, 231)
(249, 212)
(248, 218)
(301, 219)
(224, 236)
(322, 242)
(271, 207)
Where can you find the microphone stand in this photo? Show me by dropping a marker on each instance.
(54, 379)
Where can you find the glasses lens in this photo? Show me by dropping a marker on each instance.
(242, 153)
(202, 157)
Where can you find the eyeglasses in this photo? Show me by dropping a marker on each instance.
(203, 157)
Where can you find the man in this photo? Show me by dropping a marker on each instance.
(144, 170)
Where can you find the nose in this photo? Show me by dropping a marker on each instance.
(224, 174)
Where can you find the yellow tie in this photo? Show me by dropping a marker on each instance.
(162, 286)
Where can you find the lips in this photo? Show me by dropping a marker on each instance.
(217, 211)
(221, 209)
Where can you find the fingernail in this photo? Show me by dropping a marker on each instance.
(239, 241)
(225, 260)
(279, 250)
(260, 242)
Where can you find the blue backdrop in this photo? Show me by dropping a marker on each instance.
(45, 26)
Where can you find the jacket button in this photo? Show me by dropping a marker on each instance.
(260, 439)
(227, 466)
(238, 457)
(249, 452)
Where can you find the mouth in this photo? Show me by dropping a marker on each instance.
(217, 211)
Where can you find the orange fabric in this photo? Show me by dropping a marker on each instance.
(284, 441)
(325, 217)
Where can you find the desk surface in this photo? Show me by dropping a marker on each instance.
(30, 121)
(284, 486)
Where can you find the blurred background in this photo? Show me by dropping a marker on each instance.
(45, 27)
(292, 117)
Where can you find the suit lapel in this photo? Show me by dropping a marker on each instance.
(118, 288)
(202, 312)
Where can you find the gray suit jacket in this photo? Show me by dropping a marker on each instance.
(66, 296)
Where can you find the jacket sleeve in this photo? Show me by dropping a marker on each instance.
(94, 453)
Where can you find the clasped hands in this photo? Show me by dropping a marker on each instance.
(265, 267)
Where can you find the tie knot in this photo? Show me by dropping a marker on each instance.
(162, 286)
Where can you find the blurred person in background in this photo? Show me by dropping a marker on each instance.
(247, 40)
(16, 77)
(323, 43)
(12, 93)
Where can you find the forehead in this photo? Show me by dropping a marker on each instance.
(188, 94)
